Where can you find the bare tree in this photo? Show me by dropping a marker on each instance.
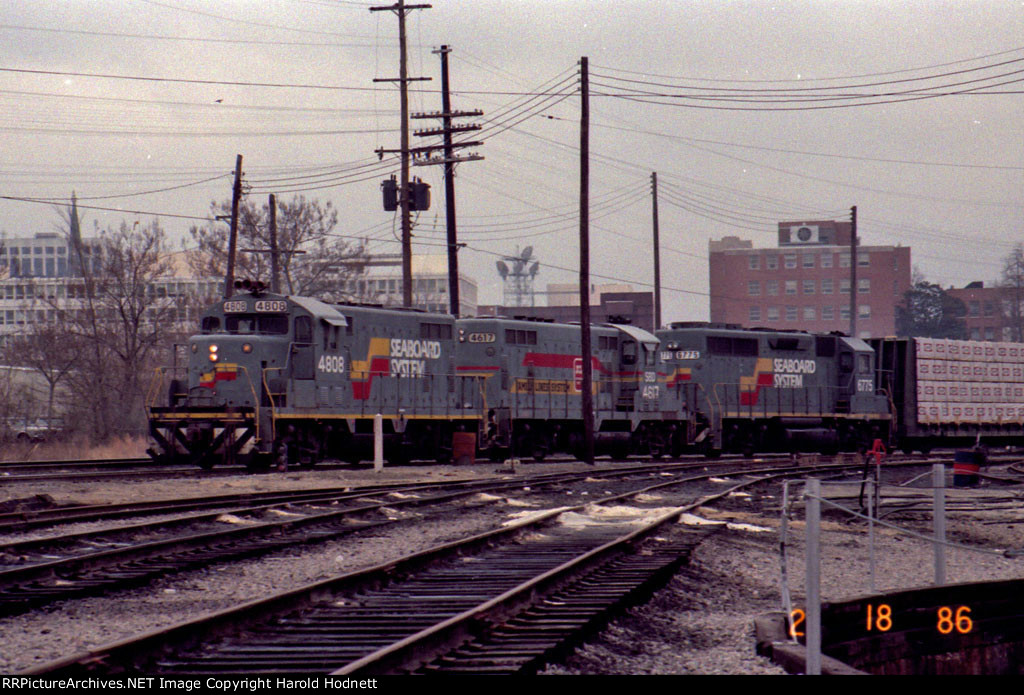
(313, 259)
(1012, 284)
(119, 326)
(48, 350)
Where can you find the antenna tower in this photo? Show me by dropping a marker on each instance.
(518, 273)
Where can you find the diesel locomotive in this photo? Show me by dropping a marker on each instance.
(293, 380)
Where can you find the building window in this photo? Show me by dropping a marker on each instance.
(974, 308)
(755, 313)
(808, 286)
(844, 313)
(863, 258)
(789, 260)
(754, 288)
(809, 313)
(975, 334)
(864, 286)
(990, 333)
(828, 313)
(826, 260)
(755, 262)
(771, 262)
(844, 286)
(808, 260)
(791, 313)
(790, 286)
(826, 286)
(771, 288)
(773, 313)
(864, 311)
(844, 260)
(990, 309)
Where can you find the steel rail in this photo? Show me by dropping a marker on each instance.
(231, 621)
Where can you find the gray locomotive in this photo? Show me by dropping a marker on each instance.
(292, 380)
(767, 390)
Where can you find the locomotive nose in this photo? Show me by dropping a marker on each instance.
(226, 365)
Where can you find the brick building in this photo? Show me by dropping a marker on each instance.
(988, 311)
(804, 282)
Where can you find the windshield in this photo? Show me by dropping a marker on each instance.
(265, 325)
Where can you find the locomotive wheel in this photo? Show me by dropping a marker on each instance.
(206, 462)
(539, 449)
(258, 462)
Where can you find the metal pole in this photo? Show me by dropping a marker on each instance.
(939, 523)
(378, 442)
(787, 600)
(853, 272)
(813, 501)
(871, 533)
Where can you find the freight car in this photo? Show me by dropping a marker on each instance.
(767, 390)
(952, 393)
(293, 380)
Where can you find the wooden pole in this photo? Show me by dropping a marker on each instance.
(236, 197)
(587, 380)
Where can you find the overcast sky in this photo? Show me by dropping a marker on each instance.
(939, 169)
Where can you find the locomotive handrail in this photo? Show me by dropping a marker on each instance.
(156, 383)
(273, 404)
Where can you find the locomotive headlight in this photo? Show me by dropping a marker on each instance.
(247, 348)
(213, 353)
(195, 348)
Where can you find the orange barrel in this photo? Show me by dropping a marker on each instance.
(966, 463)
(463, 447)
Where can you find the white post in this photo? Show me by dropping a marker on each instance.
(378, 442)
(939, 523)
(812, 494)
(871, 532)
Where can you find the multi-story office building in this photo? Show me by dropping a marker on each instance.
(43, 276)
(381, 283)
(805, 282)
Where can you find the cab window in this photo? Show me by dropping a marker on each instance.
(303, 329)
(629, 352)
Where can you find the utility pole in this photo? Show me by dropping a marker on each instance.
(657, 253)
(449, 160)
(274, 251)
(236, 197)
(275, 280)
(401, 9)
(588, 376)
(853, 272)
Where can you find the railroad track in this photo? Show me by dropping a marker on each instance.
(32, 574)
(318, 626)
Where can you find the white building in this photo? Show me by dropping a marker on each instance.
(40, 279)
(381, 283)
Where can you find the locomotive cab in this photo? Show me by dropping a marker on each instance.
(254, 355)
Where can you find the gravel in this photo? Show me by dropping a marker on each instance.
(700, 623)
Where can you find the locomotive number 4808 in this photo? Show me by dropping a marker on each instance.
(331, 364)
